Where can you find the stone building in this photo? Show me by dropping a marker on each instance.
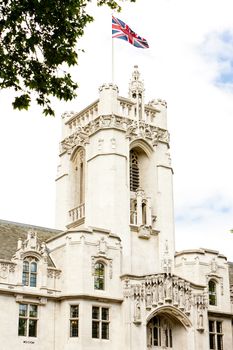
(108, 277)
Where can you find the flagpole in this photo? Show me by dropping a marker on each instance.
(113, 77)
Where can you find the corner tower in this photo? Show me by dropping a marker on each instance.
(115, 174)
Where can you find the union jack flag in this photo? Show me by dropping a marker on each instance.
(122, 31)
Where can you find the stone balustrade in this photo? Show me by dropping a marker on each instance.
(77, 213)
(84, 117)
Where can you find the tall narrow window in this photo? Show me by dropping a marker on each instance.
(29, 276)
(78, 178)
(144, 213)
(74, 318)
(99, 276)
(27, 326)
(81, 184)
(134, 171)
(212, 293)
(100, 322)
(215, 335)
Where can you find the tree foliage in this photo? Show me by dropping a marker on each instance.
(38, 38)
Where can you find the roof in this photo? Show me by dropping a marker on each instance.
(10, 232)
(230, 265)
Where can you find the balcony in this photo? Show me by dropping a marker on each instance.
(77, 216)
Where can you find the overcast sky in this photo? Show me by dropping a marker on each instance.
(190, 65)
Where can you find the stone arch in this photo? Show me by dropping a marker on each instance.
(142, 144)
(167, 328)
(141, 175)
(173, 313)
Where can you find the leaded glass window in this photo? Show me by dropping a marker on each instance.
(99, 276)
(74, 320)
(212, 293)
(27, 325)
(100, 322)
(29, 276)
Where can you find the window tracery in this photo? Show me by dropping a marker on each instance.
(29, 276)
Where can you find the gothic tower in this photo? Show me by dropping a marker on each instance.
(109, 278)
(115, 174)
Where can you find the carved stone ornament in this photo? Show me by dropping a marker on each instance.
(53, 273)
(78, 138)
(102, 247)
(152, 134)
(3, 270)
(134, 130)
(137, 310)
(158, 290)
(31, 247)
(157, 102)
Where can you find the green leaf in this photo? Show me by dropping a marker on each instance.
(39, 37)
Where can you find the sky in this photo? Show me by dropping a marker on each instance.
(190, 65)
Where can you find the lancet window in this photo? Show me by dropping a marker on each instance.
(134, 171)
(78, 178)
(99, 276)
(212, 292)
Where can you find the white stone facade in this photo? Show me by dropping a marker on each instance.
(110, 279)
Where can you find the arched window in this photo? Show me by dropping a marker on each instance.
(78, 178)
(134, 171)
(212, 293)
(99, 276)
(29, 277)
(159, 333)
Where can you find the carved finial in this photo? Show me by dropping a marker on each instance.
(136, 86)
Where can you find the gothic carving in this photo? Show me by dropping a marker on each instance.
(6, 268)
(144, 231)
(53, 273)
(200, 301)
(78, 138)
(213, 265)
(151, 133)
(126, 289)
(167, 261)
(134, 129)
(231, 293)
(156, 102)
(158, 290)
(102, 246)
(31, 246)
(137, 310)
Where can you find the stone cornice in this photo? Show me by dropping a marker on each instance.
(29, 295)
(133, 130)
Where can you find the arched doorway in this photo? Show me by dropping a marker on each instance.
(167, 329)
